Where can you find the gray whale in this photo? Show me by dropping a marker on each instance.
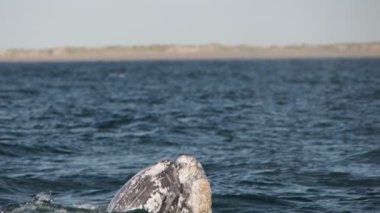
(172, 187)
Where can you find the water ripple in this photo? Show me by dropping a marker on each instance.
(273, 136)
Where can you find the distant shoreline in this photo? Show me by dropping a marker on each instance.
(192, 52)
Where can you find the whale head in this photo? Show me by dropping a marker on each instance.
(196, 188)
(189, 169)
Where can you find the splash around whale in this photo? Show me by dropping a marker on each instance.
(167, 186)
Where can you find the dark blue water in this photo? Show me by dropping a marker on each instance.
(273, 136)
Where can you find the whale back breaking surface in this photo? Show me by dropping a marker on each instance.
(154, 189)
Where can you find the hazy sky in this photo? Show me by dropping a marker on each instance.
(52, 23)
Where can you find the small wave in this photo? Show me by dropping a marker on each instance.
(372, 157)
(12, 150)
(45, 207)
(249, 200)
(113, 123)
(342, 179)
(18, 150)
(298, 199)
(56, 208)
(43, 202)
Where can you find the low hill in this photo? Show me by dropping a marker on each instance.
(209, 51)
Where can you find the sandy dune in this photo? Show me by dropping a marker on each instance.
(183, 52)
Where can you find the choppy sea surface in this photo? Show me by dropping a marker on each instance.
(272, 135)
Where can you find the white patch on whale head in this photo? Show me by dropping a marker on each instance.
(189, 169)
(156, 169)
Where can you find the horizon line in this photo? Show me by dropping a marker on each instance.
(311, 44)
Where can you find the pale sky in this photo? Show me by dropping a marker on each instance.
(56, 23)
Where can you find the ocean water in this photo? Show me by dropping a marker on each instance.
(272, 135)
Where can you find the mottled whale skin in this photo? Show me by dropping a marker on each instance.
(195, 196)
(154, 189)
(180, 187)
